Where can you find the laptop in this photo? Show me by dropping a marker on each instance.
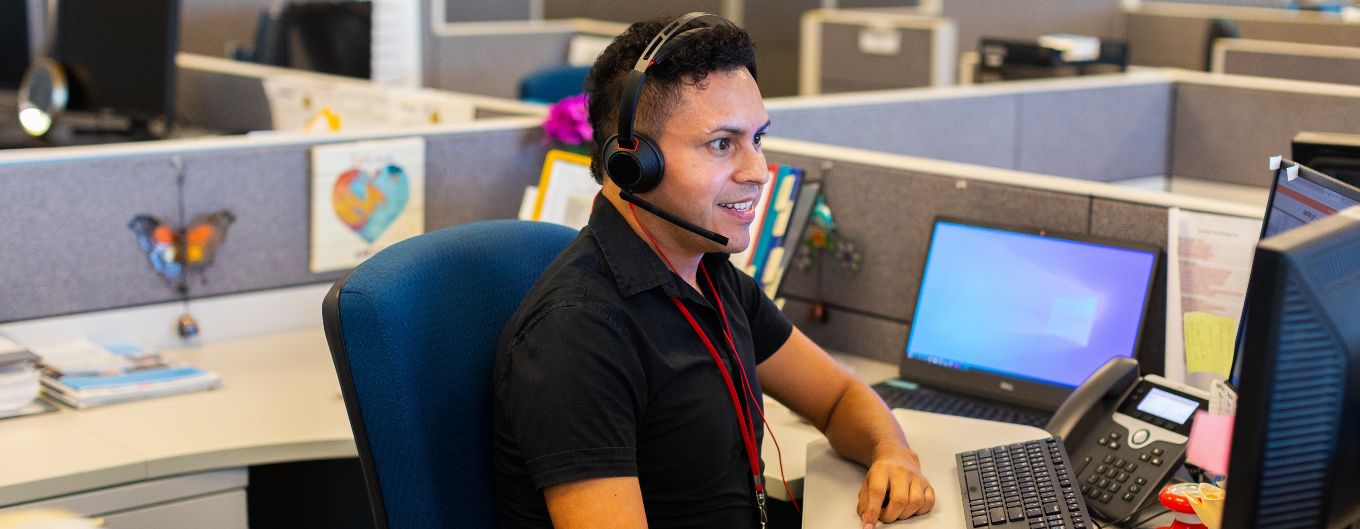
(1009, 321)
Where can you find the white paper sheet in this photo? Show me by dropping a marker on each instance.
(1209, 263)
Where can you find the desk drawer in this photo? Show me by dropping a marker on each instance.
(226, 510)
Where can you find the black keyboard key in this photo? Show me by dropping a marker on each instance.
(1023, 486)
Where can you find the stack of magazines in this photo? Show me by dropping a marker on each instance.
(82, 374)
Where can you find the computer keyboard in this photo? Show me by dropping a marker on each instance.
(1022, 486)
(926, 399)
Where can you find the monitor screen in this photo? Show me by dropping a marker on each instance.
(119, 54)
(1031, 306)
(1307, 197)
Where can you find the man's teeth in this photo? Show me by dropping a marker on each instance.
(737, 206)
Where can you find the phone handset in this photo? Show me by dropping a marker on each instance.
(1096, 397)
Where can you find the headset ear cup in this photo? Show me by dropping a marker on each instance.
(620, 165)
(651, 165)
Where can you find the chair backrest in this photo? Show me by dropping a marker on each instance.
(550, 85)
(413, 332)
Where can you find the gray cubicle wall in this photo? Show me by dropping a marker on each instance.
(1287, 60)
(1096, 128)
(484, 11)
(886, 204)
(225, 95)
(1175, 35)
(1028, 20)
(1226, 126)
(857, 50)
(490, 58)
(65, 246)
(773, 25)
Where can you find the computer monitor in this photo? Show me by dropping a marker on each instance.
(1336, 155)
(1024, 315)
(1305, 197)
(15, 42)
(1294, 460)
(119, 56)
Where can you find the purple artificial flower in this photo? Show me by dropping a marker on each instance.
(568, 121)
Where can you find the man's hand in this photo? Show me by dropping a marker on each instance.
(895, 475)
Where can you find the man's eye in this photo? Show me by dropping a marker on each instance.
(721, 144)
(759, 136)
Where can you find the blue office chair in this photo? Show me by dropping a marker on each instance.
(413, 333)
(551, 85)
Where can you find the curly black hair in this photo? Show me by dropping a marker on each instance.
(723, 48)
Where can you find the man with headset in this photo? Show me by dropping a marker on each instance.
(629, 383)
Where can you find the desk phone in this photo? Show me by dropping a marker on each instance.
(1126, 435)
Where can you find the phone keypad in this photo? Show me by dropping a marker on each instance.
(1113, 478)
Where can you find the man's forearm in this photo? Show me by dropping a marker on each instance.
(861, 427)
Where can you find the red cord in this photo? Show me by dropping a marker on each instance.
(741, 368)
(779, 452)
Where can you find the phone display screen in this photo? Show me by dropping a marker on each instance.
(1167, 405)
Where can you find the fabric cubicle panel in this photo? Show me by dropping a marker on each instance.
(890, 218)
(1335, 33)
(1027, 20)
(978, 130)
(1096, 134)
(65, 238)
(857, 4)
(627, 11)
(221, 102)
(1167, 41)
(1145, 224)
(491, 63)
(889, 212)
(774, 28)
(846, 68)
(68, 248)
(1176, 35)
(464, 11)
(1338, 64)
(1224, 133)
(1099, 132)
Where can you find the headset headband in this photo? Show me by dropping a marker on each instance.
(661, 46)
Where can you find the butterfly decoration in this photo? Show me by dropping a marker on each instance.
(176, 252)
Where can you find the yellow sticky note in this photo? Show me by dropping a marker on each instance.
(1209, 343)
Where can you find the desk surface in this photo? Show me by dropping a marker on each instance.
(832, 484)
(831, 488)
(279, 401)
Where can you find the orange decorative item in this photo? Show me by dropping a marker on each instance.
(1177, 498)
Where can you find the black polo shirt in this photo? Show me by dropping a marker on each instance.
(598, 374)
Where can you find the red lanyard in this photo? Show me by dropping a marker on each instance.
(744, 419)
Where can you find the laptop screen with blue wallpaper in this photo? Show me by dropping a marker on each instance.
(1029, 306)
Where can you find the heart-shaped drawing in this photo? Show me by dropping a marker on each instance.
(369, 201)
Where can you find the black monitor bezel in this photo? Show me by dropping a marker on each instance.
(139, 115)
(1025, 392)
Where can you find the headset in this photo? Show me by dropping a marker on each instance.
(632, 160)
